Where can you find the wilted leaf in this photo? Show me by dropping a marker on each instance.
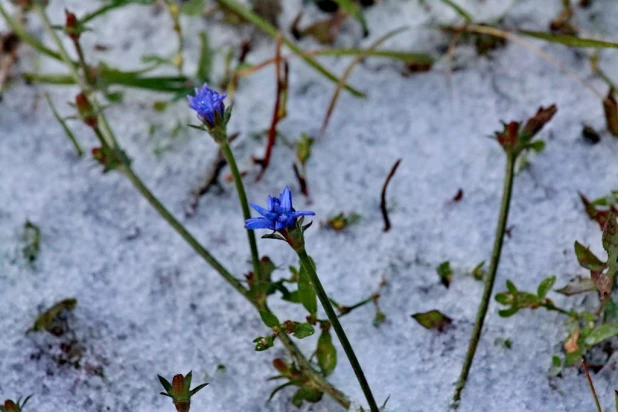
(610, 107)
(47, 320)
(433, 319)
(599, 215)
(269, 10)
(579, 284)
(610, 244)
(326, 353)
(602, 332)
(570, 345)
(536, 122)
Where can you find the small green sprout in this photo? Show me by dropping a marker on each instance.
(180, 390)
(11, 406)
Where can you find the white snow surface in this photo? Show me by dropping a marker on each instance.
(148, 305)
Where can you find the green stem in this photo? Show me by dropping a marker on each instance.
(334, 320)
(490, 278)
(184, 233)
(244, 203)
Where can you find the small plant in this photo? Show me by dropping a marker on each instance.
(14, 406)
(180, 390)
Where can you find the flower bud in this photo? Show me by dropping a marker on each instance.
(71, 26)
(85, 110)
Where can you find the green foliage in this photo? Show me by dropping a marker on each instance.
(269, 319)
(303, 330)
(49, 319)
(518, 300)
(306, 293)
(14, 406)
(445, 272)
(433, 319)
(326, 353)
(32, 236)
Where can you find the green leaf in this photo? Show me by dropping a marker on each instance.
(587, 259)
(303, 330)
(166, 385)
(306, 292)
(569, 40)
(503, 298)
(545, 286)
(536, 146)
(445, 272)
(264, 342)
(197, 388)
(47, 318)
(510, 286)
(306, 393)
(269, 319)
(193, 7)
(326, 353)
(204, 64)
(602, 332)
(506, 313)
(433, 319)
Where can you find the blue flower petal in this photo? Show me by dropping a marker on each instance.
(260, 210)
(259, 223)
(286, 199)
(304, 213)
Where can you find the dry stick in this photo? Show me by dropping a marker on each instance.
(302, 180)
(491, 276)
(212, 178)
(387, 222)
(594, 393)
(342, 81)
(278, 113)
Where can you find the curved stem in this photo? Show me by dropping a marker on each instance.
(184, 233)
(491, 276)
(332, 316)
(244, 203)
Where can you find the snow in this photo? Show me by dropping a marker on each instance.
(148, 305)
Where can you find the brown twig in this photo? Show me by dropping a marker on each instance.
(282, 69)
(302, 180)
(594, 392)
(387, 222)
(212, 179)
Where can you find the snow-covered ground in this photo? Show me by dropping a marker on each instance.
(148, 304)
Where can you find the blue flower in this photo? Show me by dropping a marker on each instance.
(280, 214)
(207, 103)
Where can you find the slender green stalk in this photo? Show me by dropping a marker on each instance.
(334, 320)
(184, 233)
(244, 203)
(490, 278)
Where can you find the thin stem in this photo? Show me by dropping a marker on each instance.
(184, 233)
(332, 316)
(244, 203)
(491, 276)
(594, 392)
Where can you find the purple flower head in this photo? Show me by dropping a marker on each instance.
(207, 103)
(279, 215)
